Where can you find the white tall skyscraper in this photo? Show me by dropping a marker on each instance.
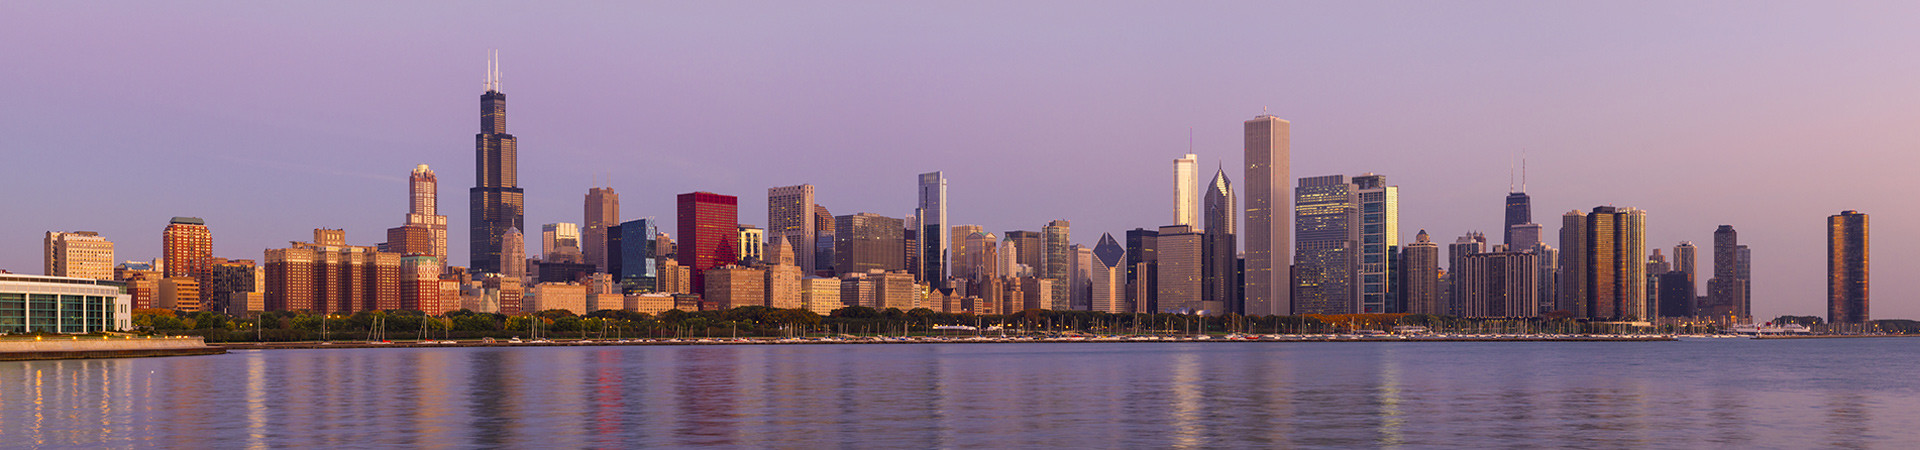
(1269, 207)
(1186, 191)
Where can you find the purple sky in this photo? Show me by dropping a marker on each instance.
(271, 118)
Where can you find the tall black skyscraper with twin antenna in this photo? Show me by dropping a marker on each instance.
(498, 204)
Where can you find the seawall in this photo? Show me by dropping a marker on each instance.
(82, 347)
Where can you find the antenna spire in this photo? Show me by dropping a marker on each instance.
(1523, 171)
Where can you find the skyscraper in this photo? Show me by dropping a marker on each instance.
(1180, 256)
(631, 251)
(1683, 260)
(1268, 244)
(709, 227)
(1459, 274)
(1186, 193)
(752, 244)
(1500, 283)
(932, 216)
(1519, 211)
(1031, 249)
(187, 248)
(1143, 293)
(960, 268)
(1613, 253)
(513, 253)
(1573, 264)
(822, 242)
(1379, 228)
(1109, 277)
(80, 254)
(790, 217)
(561, 240)
(498, 203)
(603, 211)
(864, 242)
(1726, 293)
(1326, 218)
(424, 233)
(1422, 260)
(1058, 239)
(1220, 271)
(1847, 268)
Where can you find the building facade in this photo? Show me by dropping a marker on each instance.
(602, 213)
(709, 228)
(1847, 268)
(1268, 278)
(1186, 191)
(1220, 272)
(62, 305)
(1326, 243)
(1422, 268)
(79, 254)
(790, 217)
(1379, 233)
(931, 215)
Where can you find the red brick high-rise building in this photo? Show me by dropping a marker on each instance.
(709, 233)
(187, 248)
(319, 277)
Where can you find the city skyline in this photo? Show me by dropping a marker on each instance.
(239, 166)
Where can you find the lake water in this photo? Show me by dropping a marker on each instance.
(1687, 394)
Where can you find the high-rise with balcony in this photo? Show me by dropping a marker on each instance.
(1422, 270)
(709, 227)
(497, 203)
(603, 212)
(187, 248)
(1847, 268)
(790, 218)
(1268, 278)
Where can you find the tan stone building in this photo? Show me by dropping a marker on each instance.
(80, 254)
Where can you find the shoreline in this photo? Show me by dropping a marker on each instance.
(910, 341)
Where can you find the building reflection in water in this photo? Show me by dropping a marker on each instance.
(705, 397)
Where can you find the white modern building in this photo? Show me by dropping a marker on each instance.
(31, 303)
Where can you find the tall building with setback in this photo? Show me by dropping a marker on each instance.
(1081, 280)
(790, 217)
(709, 233)
(822, 241)
(935, 243)
(1326, 243)
(1459, 285)
(497, 202)
(1422, 268)
(783, 276)
(1268, 278)
(1058, 238)
(602, 212)
(957, 249)
(1186, 191)
(1610, 265)
(1847, 268)
(80, 254)
(328, 276)
(425, 231)
(1108, 278)
(187, 248)
(1519, 212)
(1220, 271)
(1379, 229)
(1029, 249)
(1726, 292)
(1180, 257)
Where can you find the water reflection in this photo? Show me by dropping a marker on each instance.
(997, 396)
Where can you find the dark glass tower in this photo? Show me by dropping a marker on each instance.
(1847, 268)
(1519, 211)
(497, 203)
(1220, 264)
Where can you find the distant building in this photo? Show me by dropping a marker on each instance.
(709, 233)
(1847, 268)
(1378, 229)
(1220, 271)
(957, 250)
(497, 202)
(1326, 246)
(602, 213)
(823, 242)
(228, 280)
(179, 294)
(632, 248)
(62, 305)
(1459, 289)
(865, 242)
(1108, 277)
(316, 277)
(187, 247)
(1422, 262)
(1609, 249)
(790, 217)
(513, 254)
(734, 286)
(1677, 294)
(1186, 193)
(782, 276)
(560, 242)
(931, 219)
(79, 254)
(1058, 238)
(820, 295)
(1500, 284)
(1726, 292)
(1143, 285)
(570, 297)
(1180, 259)
(425, 231)
(1268, 278)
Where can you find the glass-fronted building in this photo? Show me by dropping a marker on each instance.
(31, 303)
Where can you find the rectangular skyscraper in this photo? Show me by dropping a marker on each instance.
(1058, 237)
(497, 202)
(1847, 258)
(1269, 245)
(1180, 258)
(603, 211)
(80, 254)
(1379, 229)
(709, 227)
(1422, 261)
(1186, 191)
(790, 216)
(1726, 292)
(933, 228)
(1612, 259)
(1326, 217)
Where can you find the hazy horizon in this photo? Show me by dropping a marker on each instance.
(271, 119)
